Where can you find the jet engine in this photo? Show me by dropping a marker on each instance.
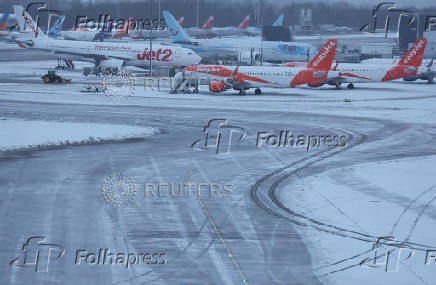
(217, 86)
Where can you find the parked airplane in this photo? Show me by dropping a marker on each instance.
(111, 56)
(241, 29)
(242, 78)
(204, 31)
(426, 71)
(245, 49)
(256, 31)
(351, 73)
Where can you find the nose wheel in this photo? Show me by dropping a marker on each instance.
(258, 91)
(350, 86)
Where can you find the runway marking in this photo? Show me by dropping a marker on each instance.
(217, 231)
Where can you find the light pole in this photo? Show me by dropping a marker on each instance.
(151, 41)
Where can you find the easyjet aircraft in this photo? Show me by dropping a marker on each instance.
(426, 71)
(351, 73)
(108, 55)
(380, 70)
(242, 78)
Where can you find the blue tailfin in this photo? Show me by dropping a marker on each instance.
(176, 31)
(55, 31)
(279, 21)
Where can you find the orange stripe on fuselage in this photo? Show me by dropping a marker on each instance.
(225, 72)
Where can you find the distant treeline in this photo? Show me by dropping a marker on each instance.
(226, 13)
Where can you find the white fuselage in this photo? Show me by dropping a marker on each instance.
(361, 72)
(275, 77)
(278, 51)
(133, 54)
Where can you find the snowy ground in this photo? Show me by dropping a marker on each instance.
(23, 134)
(294, 217)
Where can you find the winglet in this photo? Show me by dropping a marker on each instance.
(176, 31)
(430, 64)
(324, 59)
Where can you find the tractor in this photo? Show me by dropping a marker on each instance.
(52, 77)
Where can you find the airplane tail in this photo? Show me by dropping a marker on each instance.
(317, 70)
(414, 56)
(408, 66)
(324, 59)
(279, 21)
(24, 19)
(176, 31)
(55, 31)
(4, 22)
(244, 23)
(181, 21)
(208, 25)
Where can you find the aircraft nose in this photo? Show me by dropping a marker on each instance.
(196, 58)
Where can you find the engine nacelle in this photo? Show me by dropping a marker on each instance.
(217, 86)
(411, 78)
(315, 84)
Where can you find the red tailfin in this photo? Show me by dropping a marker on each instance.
(414, 56)
(208, 25)
(324, 59)
(244, 23)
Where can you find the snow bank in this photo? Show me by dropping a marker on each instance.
(20, 134)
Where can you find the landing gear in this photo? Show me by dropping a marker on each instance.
(241, 92)
(258, 91)
(338, 86)
(350, 86)
(431, 81)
